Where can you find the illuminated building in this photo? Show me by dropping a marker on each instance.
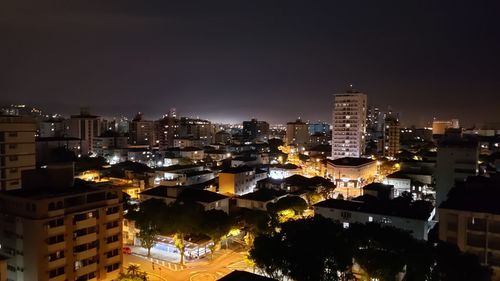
(141, 132)
(237, 181)
(57, 230)
(439, 126)
(351, 173)
(391, 136)
(349, 124)
(17, 149)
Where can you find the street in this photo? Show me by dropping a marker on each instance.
(223, 263)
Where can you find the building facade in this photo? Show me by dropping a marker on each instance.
(391, 136)
(58, 234)
(17, 149)
(349, 124)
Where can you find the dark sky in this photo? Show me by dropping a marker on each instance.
(232, 60)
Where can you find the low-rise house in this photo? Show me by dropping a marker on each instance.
(193, 153)
(170, 194)
(379, 190)
(260, 198)
(415, 217)
(281, 171)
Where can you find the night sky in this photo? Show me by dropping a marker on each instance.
(233, 60)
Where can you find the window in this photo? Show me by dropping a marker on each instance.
(13, 158)
(12, 134)
(55, 256)
(56, 272)
(345, 225)
(345, 215)
(370, 219)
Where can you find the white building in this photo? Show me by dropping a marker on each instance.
(417, 222)
(85, 127)
(349, 124)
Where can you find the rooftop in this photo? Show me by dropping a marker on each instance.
(420, 210)
(477, 194)
(187, 194)
(263, 195)
(238, 275)
(351, 161)
(237, 170)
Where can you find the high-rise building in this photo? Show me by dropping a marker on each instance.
(391, 135)
(55, 229)
(84, 126)
(349, 124)
(457, 159)
(141, 132)
(297, 133)
(167, 128)
(17, 149)
(255, 130)
(374, 124)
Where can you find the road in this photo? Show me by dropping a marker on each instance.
(223, 263)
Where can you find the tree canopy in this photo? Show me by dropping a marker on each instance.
(321, 249)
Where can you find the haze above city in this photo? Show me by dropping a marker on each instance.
(232, 60)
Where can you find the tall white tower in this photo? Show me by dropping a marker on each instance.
(349, 124)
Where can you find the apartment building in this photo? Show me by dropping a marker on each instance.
(17, 149)
(470, 219)
(55, 229)
(349, 124)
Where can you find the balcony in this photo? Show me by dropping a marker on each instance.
(112, 231)
(114, 245)
(112, 201)
(86, 223)
(86, 254)
(51, 231)
(85, 239)
(56, 246)
(112, 217)
(112, 260)
(55, 213)
(61, 277)
(86, 269)
(57, 263)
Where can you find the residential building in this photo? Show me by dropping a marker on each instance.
(457, 159)
(170, 194)
(470, 219)
(237, 180)
(141, 131)
(349, 124)
(415, 218)
(17, 149)
(56, 229)
(85, 127)
(260, 198)
(255, 131)
(45, 148)
(51, 127)
(222, 137)
(391, 136)
(297, 133)
(3, 266)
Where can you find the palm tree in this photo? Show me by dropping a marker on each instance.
(133, 269)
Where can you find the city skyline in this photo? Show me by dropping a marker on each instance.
(232, 61)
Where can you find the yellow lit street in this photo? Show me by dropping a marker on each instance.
(224, 261)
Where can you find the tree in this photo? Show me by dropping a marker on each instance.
(287, 207)
(133, 273)
(148, 219)
(181, 219)
(216, 224)
(255, 222)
